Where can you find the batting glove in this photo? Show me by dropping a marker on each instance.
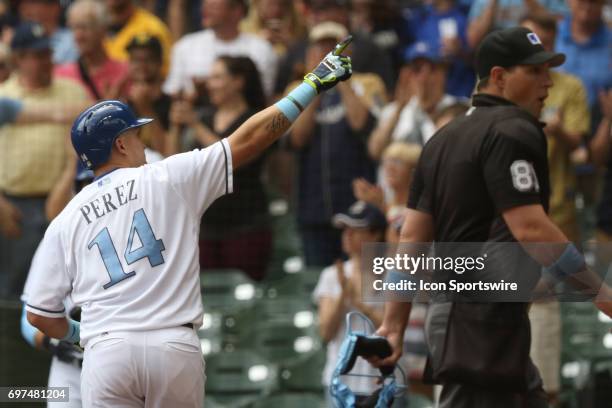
(334, 68)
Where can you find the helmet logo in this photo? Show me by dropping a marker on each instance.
(85, 160)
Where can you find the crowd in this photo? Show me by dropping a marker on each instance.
(200, 68)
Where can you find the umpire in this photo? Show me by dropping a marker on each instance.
(482, 178)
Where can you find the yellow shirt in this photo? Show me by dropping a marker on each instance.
(141, 22)
(33, 156)
(568, 97)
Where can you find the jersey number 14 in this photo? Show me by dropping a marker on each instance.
(151, 249)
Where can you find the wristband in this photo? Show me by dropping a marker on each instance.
(74, 332)
(298, 99)
(569, 263)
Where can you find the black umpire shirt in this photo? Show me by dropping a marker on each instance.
(489, 160)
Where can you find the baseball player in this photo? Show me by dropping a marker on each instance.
(65, 370)
(125, 249)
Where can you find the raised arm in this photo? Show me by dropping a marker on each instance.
(265, 127)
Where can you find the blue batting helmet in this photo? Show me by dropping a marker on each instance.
(94, 131)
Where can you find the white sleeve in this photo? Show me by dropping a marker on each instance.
(48, 280)
(201, 176)
(328, 285)
(28, 283)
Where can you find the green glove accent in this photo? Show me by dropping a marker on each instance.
(333, 69)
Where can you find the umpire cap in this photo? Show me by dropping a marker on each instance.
(510, 47)
(94, 131)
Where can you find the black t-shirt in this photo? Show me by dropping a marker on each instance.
(491, 159)
(246, 208)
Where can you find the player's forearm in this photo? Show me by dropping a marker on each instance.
(257, 134)
(52, 327)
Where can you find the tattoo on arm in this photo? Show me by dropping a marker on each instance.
(279, 123)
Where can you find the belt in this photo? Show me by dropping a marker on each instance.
(187, 325)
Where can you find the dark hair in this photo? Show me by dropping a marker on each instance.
(482, 83)
(543, 20)
(455, 109)
(244, 68)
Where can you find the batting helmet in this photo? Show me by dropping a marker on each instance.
(94, 131)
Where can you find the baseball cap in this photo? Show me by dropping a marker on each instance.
(361, 215)
(510, 47)
(422, 50)
(146, 41)
(328, 30)
(30, 36)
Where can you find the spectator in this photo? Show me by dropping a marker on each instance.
(489, 15)
(408, 118)
(33, 155)
(398, 160)
(585, 39)
(47, 13)
(566, 115)
(194, 54)
(442, 26)
(339, 291)
(103, 77)
(276, 21)
(126, 22)
(145, 95)
(367, 56)
(330, 138)
(235, 230)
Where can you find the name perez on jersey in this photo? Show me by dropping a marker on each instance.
(109, 202)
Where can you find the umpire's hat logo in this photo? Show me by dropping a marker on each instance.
(533, 38)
